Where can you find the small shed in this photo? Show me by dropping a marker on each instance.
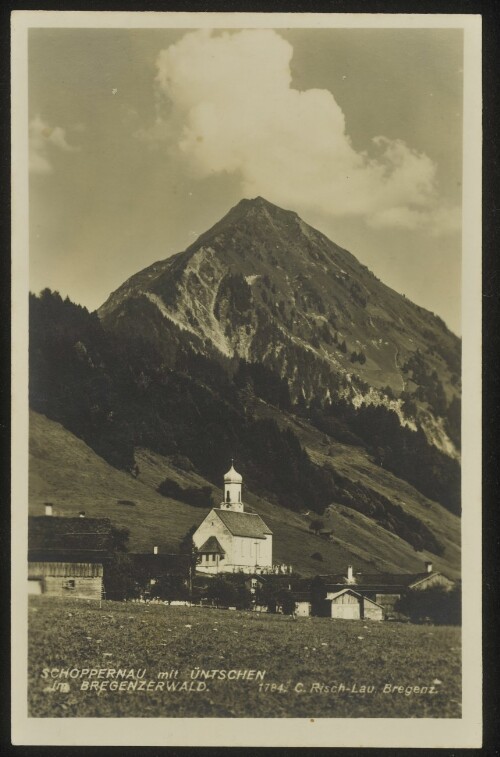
(350, 605)
(302, 605)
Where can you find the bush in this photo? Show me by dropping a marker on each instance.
(222, 592)
(316, 525)
(317, 556)
(434, 604)
(194, 496)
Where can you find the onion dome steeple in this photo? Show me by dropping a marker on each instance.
(232, 490)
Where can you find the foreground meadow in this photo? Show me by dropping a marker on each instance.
(135, 660)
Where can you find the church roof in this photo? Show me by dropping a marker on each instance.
(212, 546)
(244, 524)
(232, 476)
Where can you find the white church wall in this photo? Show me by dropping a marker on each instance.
(242, 553)
(213, 526)
(249, 552)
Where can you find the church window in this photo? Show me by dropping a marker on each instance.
(239, 496)
(228, 496)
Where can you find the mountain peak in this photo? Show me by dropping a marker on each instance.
(264, 286)
(261, 202)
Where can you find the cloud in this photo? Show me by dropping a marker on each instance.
(43, 139)
(229, 107)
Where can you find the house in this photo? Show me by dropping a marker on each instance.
(67, 556)
(386, 588)
(351, 605)
(254, 584)
(229, 539)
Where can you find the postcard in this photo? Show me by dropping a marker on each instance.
(246, 379)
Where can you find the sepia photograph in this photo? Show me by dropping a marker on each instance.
(246, 252)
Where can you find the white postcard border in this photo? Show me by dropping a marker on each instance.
(322, 732)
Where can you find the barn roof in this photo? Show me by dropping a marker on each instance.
(243, 524)
(379, 580)
(57, 539)
(212, 546)
(160, 564)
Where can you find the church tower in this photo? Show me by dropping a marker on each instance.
(232, 491)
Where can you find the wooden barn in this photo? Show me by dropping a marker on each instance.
(66, 556)
(386, 588)
(350, 605)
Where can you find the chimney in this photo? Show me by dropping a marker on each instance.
(350, 577)
(81, 514)
(48, 508)
(155, 550)
(428, 567)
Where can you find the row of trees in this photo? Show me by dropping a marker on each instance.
(124, 579)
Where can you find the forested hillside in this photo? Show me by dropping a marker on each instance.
(119, 392)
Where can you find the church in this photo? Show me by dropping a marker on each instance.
(230, 540)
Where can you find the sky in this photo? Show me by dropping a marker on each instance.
(141, 139)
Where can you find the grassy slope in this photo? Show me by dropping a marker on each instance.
(307, 651)
(357, 465)
(66, 472)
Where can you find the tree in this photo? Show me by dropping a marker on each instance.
(316, 525)
(120, 577)
(222, 591)
(435, 604)
(188, 547)
(286, 601)
(119, 574)
(318, 595)
(170, 587)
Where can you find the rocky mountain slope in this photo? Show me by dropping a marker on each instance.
(264, 286)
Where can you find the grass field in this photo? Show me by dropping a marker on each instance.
(314, 667)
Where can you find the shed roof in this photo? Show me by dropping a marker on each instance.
(302, 596)
(355, 593)
(244, 524)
